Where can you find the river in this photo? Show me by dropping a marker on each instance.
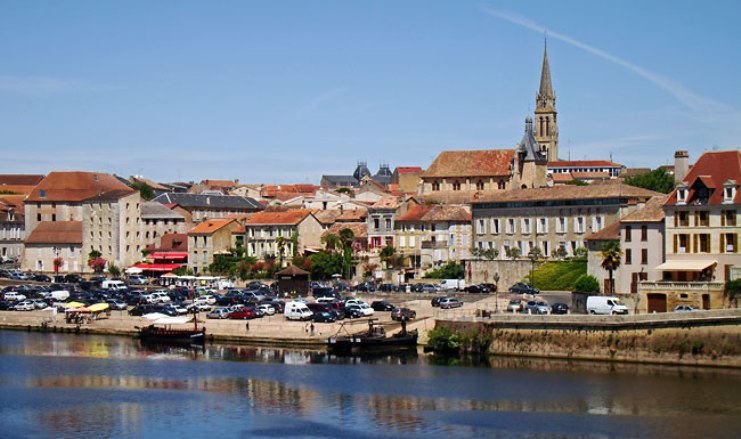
(89, 386)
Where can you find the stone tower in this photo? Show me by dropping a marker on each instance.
(546, 125)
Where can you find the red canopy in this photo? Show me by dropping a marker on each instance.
(169, 255)
(158, 267)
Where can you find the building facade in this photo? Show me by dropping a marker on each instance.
(267, 234)
(207, 239)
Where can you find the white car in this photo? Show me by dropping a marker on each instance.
(26, 305)
(267, 309)
(160, 297)
(209, 299)
(365, 309)
(12, 296)
(355, 302)
(200, 307)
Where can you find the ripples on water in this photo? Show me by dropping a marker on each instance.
(61, 385)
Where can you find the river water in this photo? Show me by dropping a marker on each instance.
(87, 386)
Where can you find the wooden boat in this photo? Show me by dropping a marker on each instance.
(162, 331)
(374, 340)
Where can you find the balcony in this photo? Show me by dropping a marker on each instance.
(670, 285)
(431, 245)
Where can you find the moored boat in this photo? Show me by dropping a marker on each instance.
(375, 339)
(162, 330)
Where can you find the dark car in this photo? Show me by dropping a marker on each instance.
(324, 317)
(436, 300)
(382, 305)
(72, 278)
(560, 308)
(388, 288)
(41, 278)
(140, 310)
(523, 288)
(353, 311)
(325, 292)
(243, 314)
(403, 314)
(478, 289)
(366, 287)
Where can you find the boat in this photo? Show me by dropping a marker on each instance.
(162, 331)
(374, 339)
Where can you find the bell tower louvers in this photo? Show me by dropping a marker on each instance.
(546, 125)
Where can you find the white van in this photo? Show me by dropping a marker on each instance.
(115, 285)
(453, 284)
(605, 305)
(59, 295)
(297, 311)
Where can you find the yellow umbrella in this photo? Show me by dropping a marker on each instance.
(73, 305)
(98, 307)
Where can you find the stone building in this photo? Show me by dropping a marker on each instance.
(158, 220)
(107, 212)
(12, 230)
(208, 238)
(550, 217)
(264, 229)
(642, 244)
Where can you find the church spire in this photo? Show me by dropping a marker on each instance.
(546, 124)
(546, 98)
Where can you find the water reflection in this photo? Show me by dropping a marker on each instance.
(60, 385)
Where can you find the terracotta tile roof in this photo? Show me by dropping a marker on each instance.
(210, 226)
(359, 230)
(56, 232)
(577, 175)
(388, 202)
(650, 213)
(712, 168)
(482, 163)
(275, 218)
(220, 183)
(17, 189)
(241, 230)
(448, 212)
(632, 172)
(272, 191)
(13, 200)
(407, 169)
(77, 186)
(173, 242)
(415, 213)
(583, 164)
(153, 184)
(610, 233)
(327, 217)
(353, 215)
(20, 179)
(607, 189)
(562, 177)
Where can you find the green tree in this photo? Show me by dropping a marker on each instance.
(586, 283)
(294, 243)
(386, 254)
(732, 291)
(610, 257)
(346, 238)
(331, 241)
(657, 180)
(559, 252)
(114, 271)
(324, 264)
(94, 254)
(281, 242)
(146, 191)
(513, 252)
(535, 254)
(451, 270)
(580, 252)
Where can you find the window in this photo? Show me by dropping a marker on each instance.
(628, 256)
(681, 241)
(53, 216)
(561, 225)
(728, 218)
(388, 223)
(682, 219)
(542, 225)
(456, 185)
(501, 184)
(598, 223)
(376, 223)
(702, 218)
(628, 233)
(205, 257)
(38, 217)
(644, 233)
(579, 224)
(728, 243)
(402, 241)
(479, 185)
(682, 196)
(480, 226)
(644, 256)
(526, 225)
(495, 226)
(702, 243)
(411, 241)
(436, 185)
(511, 226)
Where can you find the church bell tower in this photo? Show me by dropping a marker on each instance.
(546, 125)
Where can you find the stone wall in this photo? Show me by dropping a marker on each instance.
(510, 272)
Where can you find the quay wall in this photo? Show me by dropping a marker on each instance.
(711, 338)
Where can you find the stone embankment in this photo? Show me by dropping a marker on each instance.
(706, 338)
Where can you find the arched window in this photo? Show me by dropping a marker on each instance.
(479, 185)
(500, 184)
(435, 185)
(456, 185)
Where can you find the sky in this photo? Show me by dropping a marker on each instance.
(286, 91)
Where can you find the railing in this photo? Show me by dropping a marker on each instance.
(677, 285)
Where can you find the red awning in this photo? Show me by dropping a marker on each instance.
(169, 255)
(158, 267)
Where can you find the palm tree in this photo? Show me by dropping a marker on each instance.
(611, 256)
(346, 239)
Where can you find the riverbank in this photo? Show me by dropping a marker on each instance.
(706, 338)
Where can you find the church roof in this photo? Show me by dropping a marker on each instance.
(529, 146)
(482, 163)
(546, 87)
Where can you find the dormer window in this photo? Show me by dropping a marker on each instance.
(682, 194)
(729, 191)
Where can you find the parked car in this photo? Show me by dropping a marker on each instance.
(435, 302)
(323, 317)
(605, 305)
(538, 307)
(207, 299)
(478, 289)
(684, 308)
(137, 279)
(382, 305)
(560, 308)
(117, 304)
(218, 313)
(25, 305)
(199, 307)
(13, 296)
(403, 314)
(450, 302)
(41, 278)
(267, 309)
(515, 305)
(353, 311)
(243, 314)
(72, 278)
(523, 288)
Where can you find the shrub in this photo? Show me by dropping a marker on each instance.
(587, 284)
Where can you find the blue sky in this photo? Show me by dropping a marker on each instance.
(285, 91)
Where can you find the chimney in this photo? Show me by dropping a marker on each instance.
(681, 165)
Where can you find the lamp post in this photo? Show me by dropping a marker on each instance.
(496, 292)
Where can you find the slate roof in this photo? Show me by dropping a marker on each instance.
(78, 186)
(210, 201)
(154, 210)
(481, 163)
(713, 168)
(340, 180)
(529, 146)
(56, 232)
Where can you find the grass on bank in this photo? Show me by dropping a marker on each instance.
(558, 275)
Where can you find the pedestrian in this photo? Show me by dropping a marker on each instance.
(312, 329)
(306, 328)
(247, 327)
